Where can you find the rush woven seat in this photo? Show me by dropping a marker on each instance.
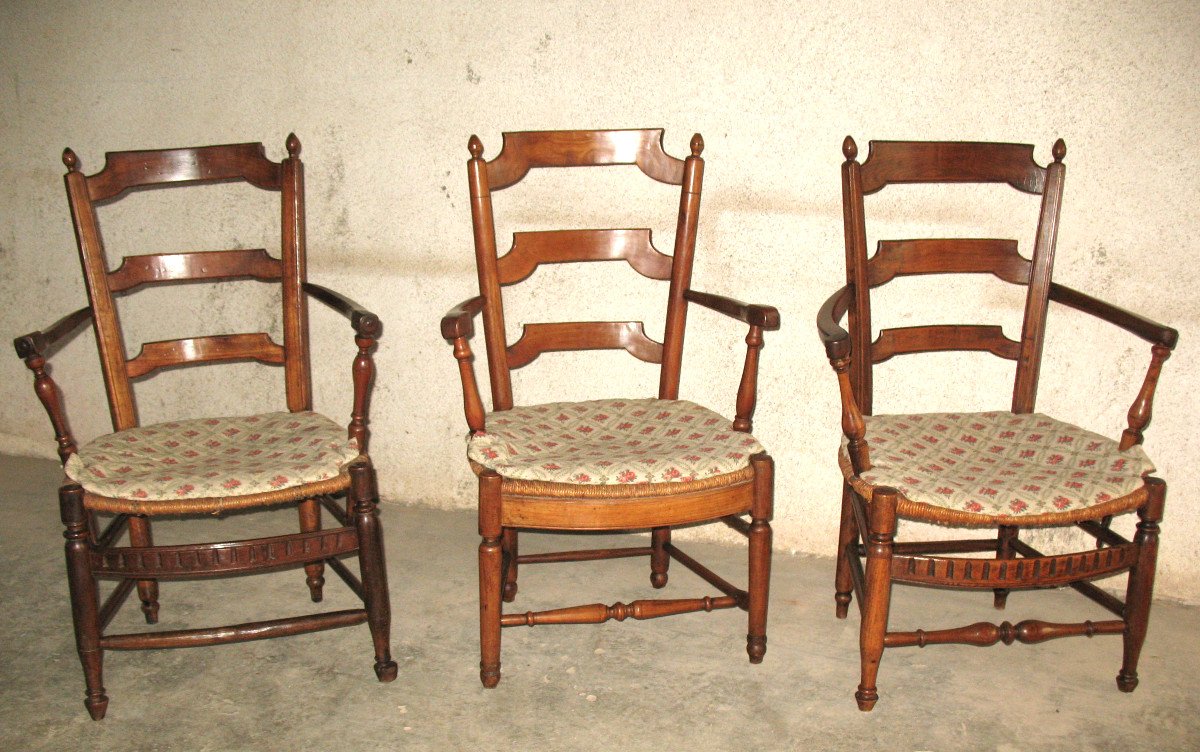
(989, 468)
(208, 465)
(613, 464)
(1004, 470)
(221, 459)
(611, 442)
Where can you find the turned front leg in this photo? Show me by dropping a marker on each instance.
(85, 597)
(490, 586)
(881, 519)
(760, 556)
(1141, 583)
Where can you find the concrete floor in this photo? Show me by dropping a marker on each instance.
(676, 683)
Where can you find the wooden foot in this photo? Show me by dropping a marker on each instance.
(139, 535)
(660, 559)
(510, 569)
(310, 521)
(847, 540)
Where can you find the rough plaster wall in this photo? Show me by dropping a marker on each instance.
(383, 96)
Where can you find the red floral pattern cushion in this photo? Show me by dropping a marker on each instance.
(213, 457)
(998, 463)
(606, 442)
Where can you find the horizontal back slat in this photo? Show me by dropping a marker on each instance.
(943, 338)
(526, 150)
(131, 169)
(155, 355)
(899, 258)
(583, 335)
(890, 162)
(176, 267)
(532, 249)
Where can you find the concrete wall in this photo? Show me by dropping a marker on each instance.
(384, 95)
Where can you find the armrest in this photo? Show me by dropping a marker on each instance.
(365, 323)
(1152, 332)
(835, 338)
(32, 348)
(764, 316)
(39, 343)
(459, 321)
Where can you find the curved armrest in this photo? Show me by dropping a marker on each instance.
(1152, 332)
(459, 321)
(367, 328)
(40, 342)
(458, 326)
(32, 348)
(764, 316)
(833, 336)
(365, 323)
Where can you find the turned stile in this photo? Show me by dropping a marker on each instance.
(681, 271)
(882, 521)
(85, 597)
(371, 566)
(490, 588)
(748, 387)
(1142, 408)
(1141, 583)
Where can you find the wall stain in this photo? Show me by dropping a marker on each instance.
(472, 76)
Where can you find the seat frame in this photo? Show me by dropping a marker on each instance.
(508, 506)
(93, 553)
(870, 560)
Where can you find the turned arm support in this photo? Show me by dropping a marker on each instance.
(1161, 338)
(367, 328)
(759, 318)
(838, 349)
(458, 326)
(33, 348)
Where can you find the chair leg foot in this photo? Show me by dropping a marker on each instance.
(386, 671)
(489, 675)
(999, 598)
(756, 648)
(841, 604)
(510, 545)
(150, 610)
(660, 559)
(866, 699)
(1127, 682)
(316, 587)
(96, 706)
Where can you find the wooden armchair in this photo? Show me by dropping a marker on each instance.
(1006, 470)
(210, 465)
(613, 464)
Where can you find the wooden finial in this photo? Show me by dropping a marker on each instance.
(475, 146)
(293, 145)
(1059, 151)
(70, 160)
(850, 149)
(697, 144)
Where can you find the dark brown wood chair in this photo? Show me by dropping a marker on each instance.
(210, 465)
(1008, 470)
(612, 464)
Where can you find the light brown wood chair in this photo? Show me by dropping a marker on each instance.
(206, 466)
(1008, 470)
(612, 464)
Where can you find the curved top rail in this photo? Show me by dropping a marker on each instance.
(524, 150)
(895, 162)
(124, 170)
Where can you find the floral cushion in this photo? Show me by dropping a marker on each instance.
(606, 442)
(998, 463)
(213, 457)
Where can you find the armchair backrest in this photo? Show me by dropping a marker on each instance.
(128, 170)
(897, 162)
(524, 151)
